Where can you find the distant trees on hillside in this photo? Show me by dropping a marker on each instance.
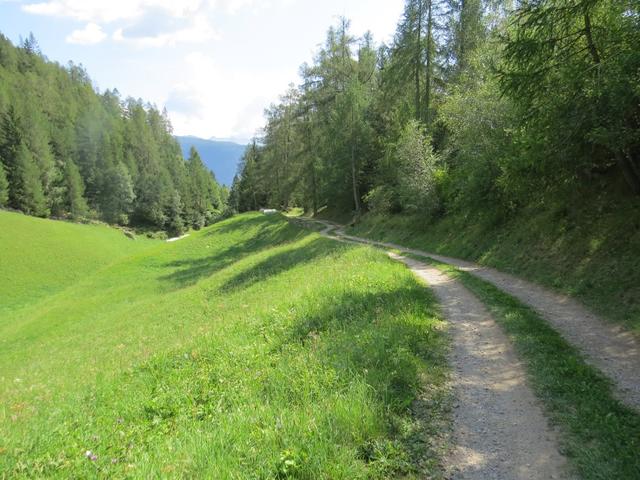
(474, 103)
(67, 150)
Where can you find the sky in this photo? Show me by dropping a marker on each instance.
(214, 64)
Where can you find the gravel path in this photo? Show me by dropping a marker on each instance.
(499, 429)
(608, 347)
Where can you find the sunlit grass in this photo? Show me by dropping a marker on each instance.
(42, 257)
(252, 349)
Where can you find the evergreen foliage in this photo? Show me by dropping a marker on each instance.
(76, 205)
(475, 104)
(71, 151)
(27, 194)
(4, 187)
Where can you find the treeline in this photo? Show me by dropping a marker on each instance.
(67, 150)
(474, 104)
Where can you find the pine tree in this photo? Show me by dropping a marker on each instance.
(90, 149)
(572, 68)
(197, 202)
(175, 225)
(27, 189)
(4, 187)
(117, 195)
(76, 204)
(10, 140)
(414, 55)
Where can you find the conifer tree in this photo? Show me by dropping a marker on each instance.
(10, 140)
(27, 188)
(76, 204)
(4, 187)
(91, 150)
(117, 195)
(175, 225)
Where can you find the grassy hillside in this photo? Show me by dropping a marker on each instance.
(42, 257)
(252, 348)
(589, 250)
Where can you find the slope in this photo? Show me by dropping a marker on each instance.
(599, 434)
(590, 251)
(42, 257)
(252, 346)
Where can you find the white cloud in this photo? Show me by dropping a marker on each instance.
(197, 31)
(89, 35)
(213, 100)
(102, 11)
(192, 19)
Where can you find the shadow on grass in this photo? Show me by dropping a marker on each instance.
(283, 261)
(588, 248)
(389, 338)
(372, 325)
(369, 335)
(191, 270)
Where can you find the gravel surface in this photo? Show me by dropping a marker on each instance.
(609, 347)
(499, 430)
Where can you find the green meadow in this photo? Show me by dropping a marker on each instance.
(251, 349)
(40, 257)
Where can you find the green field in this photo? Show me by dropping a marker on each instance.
(41, 257)
(251, 349)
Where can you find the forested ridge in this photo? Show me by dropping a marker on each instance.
(475, 105)
(68, 150)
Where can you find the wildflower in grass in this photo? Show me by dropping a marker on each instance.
(90, 455)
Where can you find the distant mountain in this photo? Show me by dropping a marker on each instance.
(221, 157)
(238, 140)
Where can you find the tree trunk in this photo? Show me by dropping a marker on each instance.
(354, 180)
(427, 93)
(462, 32)
(418, 62)
(312, 167)
(314, 188)
(590, 43)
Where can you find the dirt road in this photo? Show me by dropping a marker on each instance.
(499, 430)
(608, 347)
